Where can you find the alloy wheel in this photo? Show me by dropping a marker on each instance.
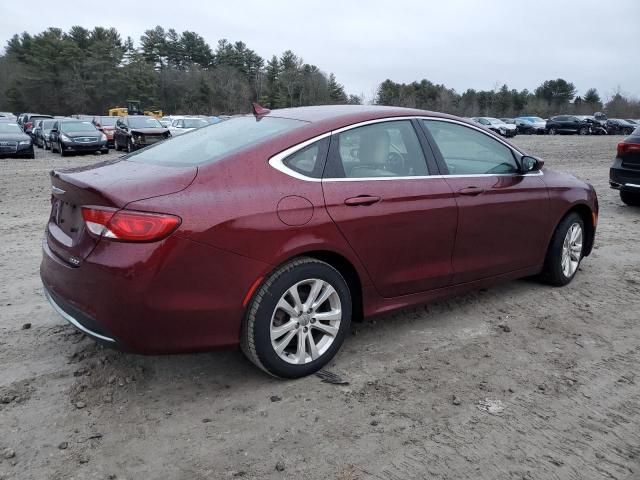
(306, 321)
(571, 250)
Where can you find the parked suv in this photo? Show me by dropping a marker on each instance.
(624, 174)
(76, 136)
(138, 131)
(567, 124)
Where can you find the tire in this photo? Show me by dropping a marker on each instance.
(630, 198)
(264, 315)
(583, 131)
(552, 131)
(555, 271)
(129, 146)
(61, 150)
(44, 145)
(116, 145)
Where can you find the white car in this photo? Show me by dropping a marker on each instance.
(497, 125)
(183, 125)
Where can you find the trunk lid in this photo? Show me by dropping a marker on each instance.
(111, 184)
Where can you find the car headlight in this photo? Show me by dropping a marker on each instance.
(25, 142)
(64, 138)
(134, 139)
(103, 137)
(47, 136)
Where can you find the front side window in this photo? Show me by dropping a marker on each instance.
(385, 149)
(467, 151)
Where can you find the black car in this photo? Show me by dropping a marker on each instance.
(624, 174)
(138, 131)
(618, 126)
(14, 142)
(567, 124)
(27, 121)
(43, 133)
(69, 136)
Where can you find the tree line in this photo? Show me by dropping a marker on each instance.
(90, 71)
(552, 97)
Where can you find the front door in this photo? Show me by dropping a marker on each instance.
(503, 213)
(399, 220)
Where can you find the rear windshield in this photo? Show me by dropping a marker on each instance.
(108, 121)
(77, 127)
(144, 122)
(211, 143)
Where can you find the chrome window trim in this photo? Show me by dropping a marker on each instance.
(73, 321)
(277, 160)
(632, 185)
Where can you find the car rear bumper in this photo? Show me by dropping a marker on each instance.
(621, 178)
(171, 296)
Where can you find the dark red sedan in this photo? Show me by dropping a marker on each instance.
(274, 230)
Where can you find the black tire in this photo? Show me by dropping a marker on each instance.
(129, 146)
(256, 328)
(116, 145)
(583, 131)
(630, 198)
(61, 150)
(552, 131)
(552, 272)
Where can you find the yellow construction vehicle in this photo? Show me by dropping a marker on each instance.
(133, 108)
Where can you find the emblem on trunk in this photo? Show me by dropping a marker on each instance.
(57, 191)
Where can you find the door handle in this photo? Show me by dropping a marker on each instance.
(362, 200)
(471, 191)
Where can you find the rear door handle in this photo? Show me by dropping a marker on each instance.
(362, 200)
(471, 191)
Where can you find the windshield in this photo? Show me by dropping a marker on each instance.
(77, 127)
(9, 128)
(495, 121)
(144, 122)
(107, 121)
(213, 142)
(194, 123)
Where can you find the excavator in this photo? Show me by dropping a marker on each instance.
(133, 108)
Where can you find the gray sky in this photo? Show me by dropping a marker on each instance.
(463, 44)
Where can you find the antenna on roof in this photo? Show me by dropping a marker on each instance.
(259, 110)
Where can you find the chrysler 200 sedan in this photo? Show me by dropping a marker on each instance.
(274, 230)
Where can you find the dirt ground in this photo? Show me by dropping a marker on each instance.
(521, 381)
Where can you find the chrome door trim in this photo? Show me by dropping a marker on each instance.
(277, 160)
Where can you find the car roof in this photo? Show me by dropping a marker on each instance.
(336, 116)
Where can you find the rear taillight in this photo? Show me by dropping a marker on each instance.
(129, 225)
(28, 125)
(625, 148)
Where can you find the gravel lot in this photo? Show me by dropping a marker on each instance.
(521, 381)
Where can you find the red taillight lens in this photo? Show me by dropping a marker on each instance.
(129, 225)
(624, 148)
(28, 125)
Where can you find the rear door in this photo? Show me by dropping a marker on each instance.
(400, 220)
(502, 213)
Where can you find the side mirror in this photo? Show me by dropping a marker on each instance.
(531, 164)
(54, 130)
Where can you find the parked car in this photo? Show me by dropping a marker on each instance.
(272, 232)
(14, 142)
(106, 125)
(43, 135)
(186, 124)
(498, 126)
(70, 136)
(624, 174)
(137, 131)
(9, 116)
(27, 121)
(510, 121)
(567, 124)
(618, 126)
(531, 125)
(35, 131)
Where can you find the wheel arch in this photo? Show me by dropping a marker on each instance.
(587, 216)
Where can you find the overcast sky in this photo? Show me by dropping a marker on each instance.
(463, 44)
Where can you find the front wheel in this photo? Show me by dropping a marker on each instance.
(61, 150)
(552, 131)
(583, 131)
(297, 320)
(630, 198)
(565, 251)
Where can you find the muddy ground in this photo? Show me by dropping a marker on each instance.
(557, 368)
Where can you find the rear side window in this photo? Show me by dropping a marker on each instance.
(467, 151)
(384, 149)
(211, 143)
(310, 160)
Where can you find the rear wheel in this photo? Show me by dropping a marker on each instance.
(298, 319)
(565, 251)
(583, 131)
(630, 198)
(61, 150)
(552, 131)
